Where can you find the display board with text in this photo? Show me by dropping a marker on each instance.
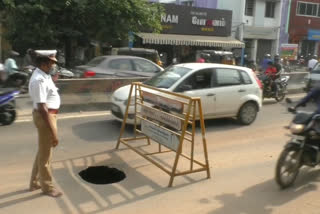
(169, 120)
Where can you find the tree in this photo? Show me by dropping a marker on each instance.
(48, 24)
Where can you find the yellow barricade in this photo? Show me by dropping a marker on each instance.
(168, 119)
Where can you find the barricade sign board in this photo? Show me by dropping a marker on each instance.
(168, 119)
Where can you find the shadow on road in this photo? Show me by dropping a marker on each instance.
(264, 197)
(90, 198)
(100, 130)
(19, 198)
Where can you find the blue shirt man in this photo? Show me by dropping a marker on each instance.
(265, 62)
(313, 94)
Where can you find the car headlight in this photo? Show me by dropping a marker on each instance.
(296, 128)
(132, 101)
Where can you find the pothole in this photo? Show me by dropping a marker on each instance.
(102, 175)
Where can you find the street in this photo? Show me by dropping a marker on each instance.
(242, 163)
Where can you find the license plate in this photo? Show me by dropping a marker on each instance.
(115, 108)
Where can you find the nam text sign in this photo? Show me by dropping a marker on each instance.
(179, 19)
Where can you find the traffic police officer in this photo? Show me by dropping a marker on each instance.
(46, 102)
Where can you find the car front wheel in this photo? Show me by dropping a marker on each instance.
(248, 113)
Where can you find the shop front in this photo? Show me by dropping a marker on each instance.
(186, 31)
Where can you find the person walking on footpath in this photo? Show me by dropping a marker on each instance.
(46, 102)
(312, 62)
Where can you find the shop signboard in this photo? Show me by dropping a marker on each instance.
(180, 19)
(289, 51)
(314, 35)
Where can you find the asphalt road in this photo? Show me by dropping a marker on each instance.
(242, 161)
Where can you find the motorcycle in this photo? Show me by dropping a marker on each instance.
(7, 105)
(302, 149)
(278, 88)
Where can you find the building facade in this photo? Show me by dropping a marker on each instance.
(261, 24)
(304, 27)
(188, 30)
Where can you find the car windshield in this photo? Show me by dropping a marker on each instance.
(168, 77)
(96, 61)
(316, 69)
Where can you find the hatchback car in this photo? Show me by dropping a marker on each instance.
(117, 66)
(313, 79)
(225, 90)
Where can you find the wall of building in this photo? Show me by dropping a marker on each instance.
(237, 8)
(212, 4)
(284, 23)
(206, 3)
(299, 25)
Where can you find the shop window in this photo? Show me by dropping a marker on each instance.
(307, 9)
(249, 7)
(270, 8)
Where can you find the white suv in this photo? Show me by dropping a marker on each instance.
(225, 90)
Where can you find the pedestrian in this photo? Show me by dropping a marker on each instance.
(312, 62)
(46, 102)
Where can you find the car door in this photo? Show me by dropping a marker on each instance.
(228, 90)
(199, 84)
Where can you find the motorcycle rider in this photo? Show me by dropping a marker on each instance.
(266, 60)
(276, 62)
(14, 77)
(314, 94)
(271, 76)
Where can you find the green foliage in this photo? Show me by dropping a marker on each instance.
(51, 24)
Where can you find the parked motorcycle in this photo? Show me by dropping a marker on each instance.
(269, 90)
(302, 149)
(7, 105)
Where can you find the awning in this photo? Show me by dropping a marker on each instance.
(175, 39)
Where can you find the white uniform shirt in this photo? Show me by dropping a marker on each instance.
(312, 63)
(43, 90)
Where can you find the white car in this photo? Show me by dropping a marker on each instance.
(225, 90)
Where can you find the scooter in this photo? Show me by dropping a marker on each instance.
(301, 150)
(8, 105)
